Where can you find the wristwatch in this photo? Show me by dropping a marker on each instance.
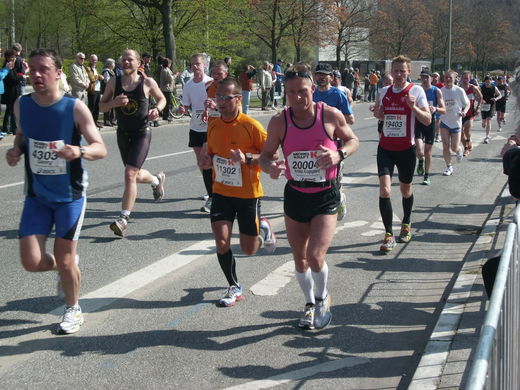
(82, 151)
(249, 158)
(342, 154)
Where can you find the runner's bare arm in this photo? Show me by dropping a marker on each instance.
(14, 154)
(441, 107)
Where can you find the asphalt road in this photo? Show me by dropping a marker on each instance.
(151, 320)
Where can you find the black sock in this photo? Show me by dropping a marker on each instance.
(385, 208)
(407, 209)
(207, 176)
(228, 265)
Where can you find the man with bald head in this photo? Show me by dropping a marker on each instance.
(79, 81)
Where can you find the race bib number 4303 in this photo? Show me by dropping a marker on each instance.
(395, 126)
(227, 171)
(43, 158)
(304, 166)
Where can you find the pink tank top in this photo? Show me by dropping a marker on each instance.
(301, 147)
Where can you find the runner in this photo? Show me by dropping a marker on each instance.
(457, 105)
(193, 97)
(399, 106)
(505, 91)
(235, 141)
(129, 94)
(436, 81)
(490, 94)
(424, 135)
(336, 82)
(306, 131)
(50, 128)
(219, 71)
(474, 95)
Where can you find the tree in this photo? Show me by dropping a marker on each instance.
(304, 29)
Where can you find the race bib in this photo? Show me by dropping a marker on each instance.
(395, 126)
(450, 105)
(43, 159)
(214, 113)
(485, 107)
(227, 171)
(304, 166)
(196, 121)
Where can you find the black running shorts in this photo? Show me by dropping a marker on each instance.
(501, 105)
(246, 211)
(303, 207)
(197, 138)
(425, 133)
(134, 146)
(404, 160)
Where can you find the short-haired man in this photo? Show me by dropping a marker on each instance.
(194, 94)
(475, 96)
(398, 106)
(234, 143)
(490, 94)
(425, 135)
(78, 78)
(306, 131)
(218, 71)
(130, 95)
(505, 91)
(94, 88)
(49, 134)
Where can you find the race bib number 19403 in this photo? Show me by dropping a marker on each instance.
(395, 126)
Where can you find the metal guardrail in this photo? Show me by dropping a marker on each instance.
(497, 359)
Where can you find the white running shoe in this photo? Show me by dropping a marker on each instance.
(158, 190)
(268, 235)
(499, 129)
(59, 287)
(72, 320)
(231, 297)
(322, 314)
(460, 155)
(486, 140)
(307, 320)
(206, 208)
(448, 171)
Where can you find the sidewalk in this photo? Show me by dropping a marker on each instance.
(448, 355)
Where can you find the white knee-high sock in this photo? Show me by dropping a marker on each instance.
(320, 281)
(306, 284)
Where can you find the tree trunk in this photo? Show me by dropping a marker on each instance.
(169, 37)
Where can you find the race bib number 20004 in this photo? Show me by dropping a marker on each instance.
(43, 158)
(304, 166)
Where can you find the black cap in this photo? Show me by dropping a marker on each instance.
(487, 78)
(426, 72)
(323, 68)
(337, 74)
(145, 55)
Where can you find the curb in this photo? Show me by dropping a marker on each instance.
(430, 369)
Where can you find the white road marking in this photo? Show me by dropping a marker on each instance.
(275, 280)
(290, 376)
(168, 155)
(11, 185)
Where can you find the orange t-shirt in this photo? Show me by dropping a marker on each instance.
(246, 134)
(373, 79)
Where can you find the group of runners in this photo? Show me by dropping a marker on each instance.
(231, 149)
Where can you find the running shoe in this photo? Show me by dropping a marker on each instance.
(72, 320)
(486, 140)
(231, 297)
(158, 190)
(406, 233)
(426, 181)
(420, 167)
(119, 226)
(342, 208)
(459, 155)
(59, 287)
(499, 129)
(322, 314)
(307, 320)
(388, 243)
(466, 151)
(268, 236)
(207, 206)
(437, 138)
(448, 171)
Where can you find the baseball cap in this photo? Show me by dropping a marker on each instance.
(336, 74)
(500, 77)
(323, 68)
(426, 72)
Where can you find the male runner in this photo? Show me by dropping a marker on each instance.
(398, 107)
(50, 128)
(424, 135)
(129, 94)
(490, 94)
(235, 141)
(193, 97)
(436, 82)
(457, 106)
(474, 95)
(505, 91)
(307, 131)
(218, 71)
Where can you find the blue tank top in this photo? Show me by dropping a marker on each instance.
(431, 96)
(45, 127)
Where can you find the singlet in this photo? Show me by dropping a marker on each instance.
(133, 116)
(193, 95)
(470, 93)
(211, 91)
(45, 127)
(503, 91)
(301, 147)
(488, 94)
(399, 125)
(229, 178)
(334, 98)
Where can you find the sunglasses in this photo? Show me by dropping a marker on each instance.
(227, 98)
(292, 75)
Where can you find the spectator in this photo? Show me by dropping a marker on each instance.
(20, 66)
(266, 83)
(167, 86)
(11, 91)
(3, 72)
(109, 118)
(246, 82)
(94, 88)
(79, 81)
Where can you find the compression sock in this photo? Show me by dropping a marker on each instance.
(320, 281)
(407, 209)
(385, 208)
(228, 265)
(306, 284)
(207, 176)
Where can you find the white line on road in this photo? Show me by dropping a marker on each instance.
(290, 376)
(11, 185)
(167, 155)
